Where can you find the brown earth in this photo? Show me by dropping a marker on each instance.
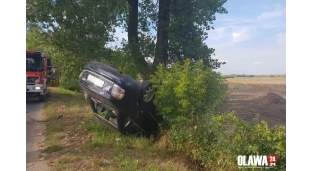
(266, 100)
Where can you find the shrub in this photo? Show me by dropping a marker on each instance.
(187, 96)
(71, 66)
(187, 90)
(217, 140)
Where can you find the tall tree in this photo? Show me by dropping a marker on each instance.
(162, 31)
(189, 25)
(136, 47)
(182, 28)
(133, 21)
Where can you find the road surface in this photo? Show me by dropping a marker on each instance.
(35, 132)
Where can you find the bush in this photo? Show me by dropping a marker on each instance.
(217, 140)
(71, 67)
(188, 90)
(187, 96)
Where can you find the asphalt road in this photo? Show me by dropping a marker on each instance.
(35, 132)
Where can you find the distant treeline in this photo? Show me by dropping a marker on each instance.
(245, 75)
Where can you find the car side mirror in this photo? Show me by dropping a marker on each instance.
(49, 64)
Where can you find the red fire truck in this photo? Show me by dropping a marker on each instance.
(39, 75)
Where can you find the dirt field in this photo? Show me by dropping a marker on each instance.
(263, 96)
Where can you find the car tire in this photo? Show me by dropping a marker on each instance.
(147, 95)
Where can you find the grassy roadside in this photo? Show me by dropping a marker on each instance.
(76, 140)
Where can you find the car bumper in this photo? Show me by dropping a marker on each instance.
(127, 105)
(36, 89)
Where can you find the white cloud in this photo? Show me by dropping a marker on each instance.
(236, 21)
(257, 63)
(242, 34)
(277, 13)
(236, 34)
(241, 29)
(273, 24)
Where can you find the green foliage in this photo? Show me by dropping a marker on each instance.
(188, 90)
(123, 62)
(147, 15)
(190, 21)
(71, 67)
(82, 27)
(216, 141)
(35, 40)
(134, 54)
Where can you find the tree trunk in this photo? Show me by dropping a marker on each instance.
(161, 55)
(133, 21)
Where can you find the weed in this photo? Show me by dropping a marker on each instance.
(53, 148)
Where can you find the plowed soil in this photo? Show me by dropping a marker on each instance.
(249, 99)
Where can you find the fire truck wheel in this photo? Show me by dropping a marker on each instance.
(42, 98)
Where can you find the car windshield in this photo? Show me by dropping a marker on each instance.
(33, 62)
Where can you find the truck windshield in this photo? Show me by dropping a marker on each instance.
(33, 62)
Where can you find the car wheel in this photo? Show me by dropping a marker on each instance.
(147, 95)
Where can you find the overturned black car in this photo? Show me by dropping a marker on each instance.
(122, 103)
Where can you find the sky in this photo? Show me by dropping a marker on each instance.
(251, 38)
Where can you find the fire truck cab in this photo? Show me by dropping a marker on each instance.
(39, 74)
